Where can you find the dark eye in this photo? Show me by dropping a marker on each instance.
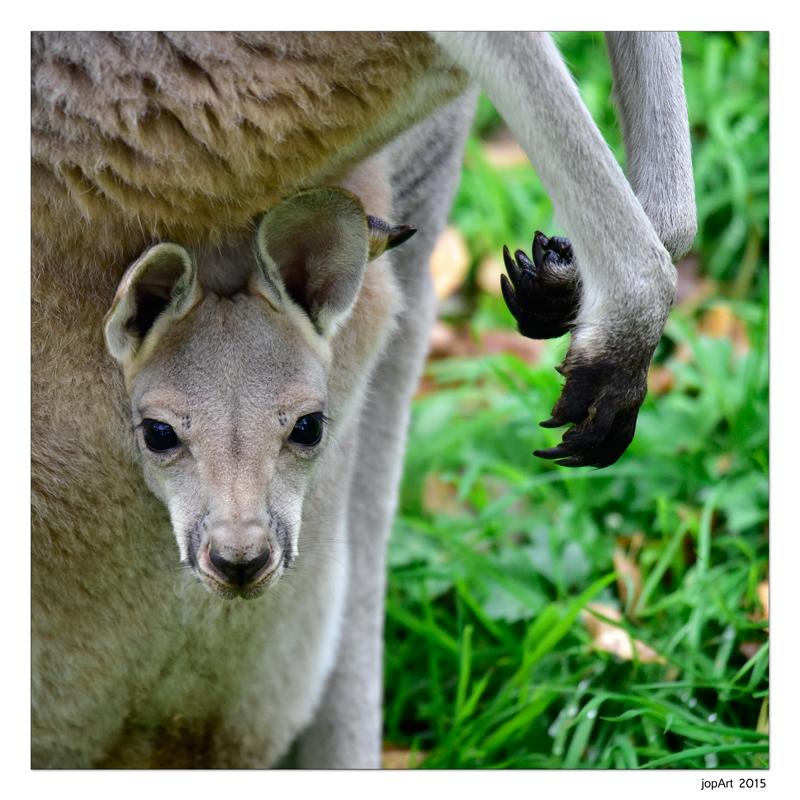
(159, 436)
(308, 429)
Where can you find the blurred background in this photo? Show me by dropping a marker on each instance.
(544, 617)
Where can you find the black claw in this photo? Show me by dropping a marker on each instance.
(553, 423)
(524, 261)
(512, 269)
(537, 251)
(559, 451)
(400, 234)
(574, 461)
(510, 297)
(601, 401)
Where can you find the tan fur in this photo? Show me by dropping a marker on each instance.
(192, 135)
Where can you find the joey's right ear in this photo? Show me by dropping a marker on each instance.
(161, 283)
(312, 250)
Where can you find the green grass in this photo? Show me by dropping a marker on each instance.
(488, 663)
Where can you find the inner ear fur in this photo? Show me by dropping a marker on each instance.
(163, 278)
(313, 249)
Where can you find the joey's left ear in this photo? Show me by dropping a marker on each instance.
(312, 250)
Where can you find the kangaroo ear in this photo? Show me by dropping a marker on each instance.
(163, 279)
(312, 250)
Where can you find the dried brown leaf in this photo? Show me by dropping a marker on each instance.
(660, 380)
(749, 649)
(720, 321)
(626, 567)
(508, 342)
(439, 495)
(763, 598)
(449, 262)
(614, 640)
(447, 341)
(489, 272)
(395, 758)
(761, 614)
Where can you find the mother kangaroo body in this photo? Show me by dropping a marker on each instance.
(280, 360)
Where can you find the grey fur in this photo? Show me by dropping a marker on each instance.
(425, 164)
(651, 102)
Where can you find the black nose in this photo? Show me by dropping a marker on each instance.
(239, 573)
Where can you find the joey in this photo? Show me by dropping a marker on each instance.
(229, 395)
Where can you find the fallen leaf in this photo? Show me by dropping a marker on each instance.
(749, 649)
(489, 272)
(626, 567)
(614, 640)
(763, 597)
(720, 321)
(447, 341)
(508, 342)
(449, 262)
(762, 614)
(439, 495)
(635, 541)
(395, 758)
(660, 380)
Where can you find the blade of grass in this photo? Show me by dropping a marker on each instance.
(469, 706)
(578, 743)
(662, 565)
(520, 720)
(557, 632)
(760, 656)
(499, 633)
(430, 632)
(465, 663)
(628, 752)
(696, 752)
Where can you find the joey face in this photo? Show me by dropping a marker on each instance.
(229, 399)
(230, 417)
